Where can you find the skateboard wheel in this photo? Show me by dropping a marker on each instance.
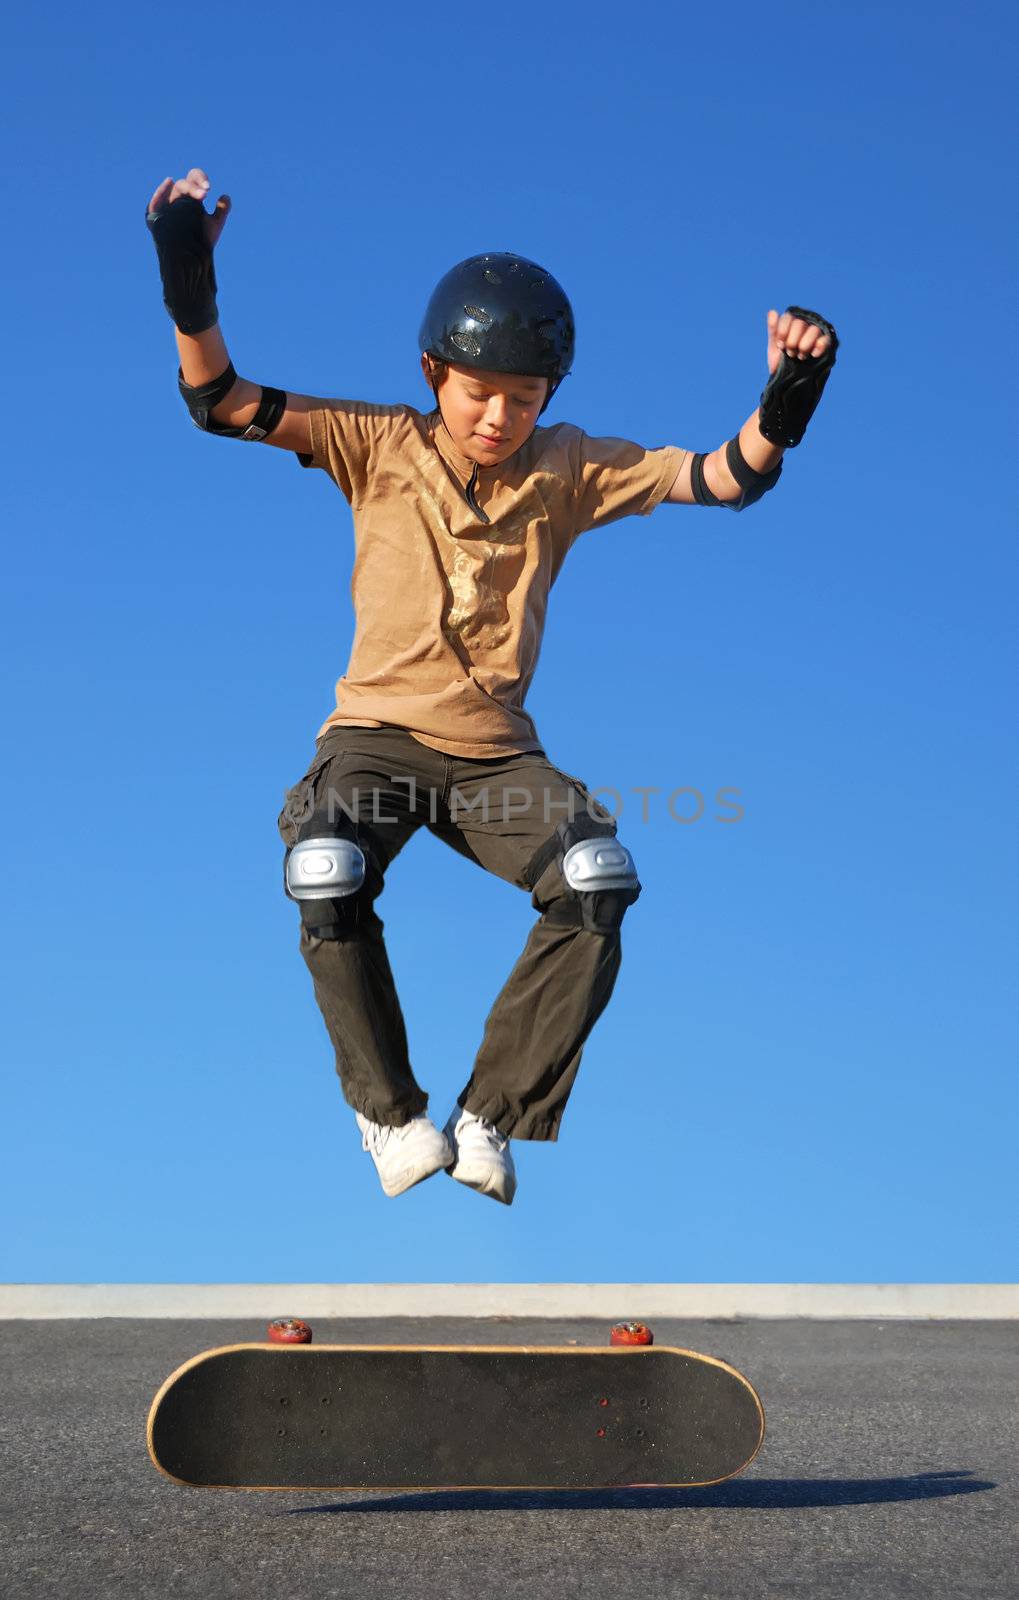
(631, 1333)
(289, 1330)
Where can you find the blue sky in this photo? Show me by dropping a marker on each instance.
(807, 1071)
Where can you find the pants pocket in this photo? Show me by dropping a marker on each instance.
(594, 808)
(299, 802)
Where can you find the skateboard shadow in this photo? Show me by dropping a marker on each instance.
(786, 1494)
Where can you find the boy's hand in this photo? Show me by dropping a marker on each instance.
(808, 342)
(196, 187)
(184, 235)
(796, 338)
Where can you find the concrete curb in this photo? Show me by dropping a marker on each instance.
(605, 1301)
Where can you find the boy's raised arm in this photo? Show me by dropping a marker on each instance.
(185, 236)
(801, 353)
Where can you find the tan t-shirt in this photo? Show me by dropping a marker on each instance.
(450, 608)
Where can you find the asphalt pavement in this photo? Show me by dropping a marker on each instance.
(889, 1470)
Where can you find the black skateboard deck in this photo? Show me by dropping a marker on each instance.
(263, 1416)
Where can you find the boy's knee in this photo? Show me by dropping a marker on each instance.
(587, 878)
(334, 874)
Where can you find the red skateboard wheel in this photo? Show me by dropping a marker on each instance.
(289, 1330)
(631, 1333)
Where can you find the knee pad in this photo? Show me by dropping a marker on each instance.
(332, 878)
(598, 872)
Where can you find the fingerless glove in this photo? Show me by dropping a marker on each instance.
(185, 264)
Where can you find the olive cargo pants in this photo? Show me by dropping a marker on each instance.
(498, 813)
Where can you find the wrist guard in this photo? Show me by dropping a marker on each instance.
(201, 398)
(753, 484)
(185, 264)
(795, 387)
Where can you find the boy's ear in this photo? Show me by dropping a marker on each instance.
(434, 372)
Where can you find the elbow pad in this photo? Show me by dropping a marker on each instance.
(201, 398)
(185, 264)
(753, 484)
(794, 388)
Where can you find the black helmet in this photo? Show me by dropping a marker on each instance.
(501, 313)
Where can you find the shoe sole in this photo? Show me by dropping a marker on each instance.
(479, 1183)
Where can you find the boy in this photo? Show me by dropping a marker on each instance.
(463, 517)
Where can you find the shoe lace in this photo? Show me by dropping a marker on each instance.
(379, 1134)
(375, 1137)
(481, 1127)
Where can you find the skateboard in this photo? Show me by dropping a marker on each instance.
(276, 1416)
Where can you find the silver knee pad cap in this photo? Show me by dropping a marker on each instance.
(595, 864)
(325, 869)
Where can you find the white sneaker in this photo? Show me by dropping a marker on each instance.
(405, 1156)
(483, 1159)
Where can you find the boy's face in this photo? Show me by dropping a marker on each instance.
(488, 414)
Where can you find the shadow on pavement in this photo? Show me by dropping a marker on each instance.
(784, 1494)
